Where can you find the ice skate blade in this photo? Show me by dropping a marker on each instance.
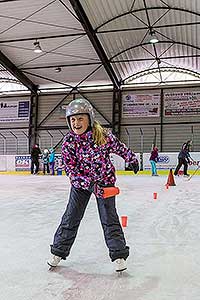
(51, 268)
(121, 273)
(122, 270)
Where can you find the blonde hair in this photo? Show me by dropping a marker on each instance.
(99, 134)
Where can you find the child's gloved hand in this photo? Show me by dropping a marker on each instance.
(135, 165)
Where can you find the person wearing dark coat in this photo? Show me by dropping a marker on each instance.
(184, 158)
(35, 152)
(153, 160)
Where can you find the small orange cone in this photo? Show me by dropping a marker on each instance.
(170, 179)
(124, 220)
(155, 195)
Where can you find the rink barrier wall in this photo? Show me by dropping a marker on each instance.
(166, 161)
(118, 173)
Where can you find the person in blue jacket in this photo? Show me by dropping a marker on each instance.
(52, 160)
(184, 158)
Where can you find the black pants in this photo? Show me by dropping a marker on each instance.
(68, 228)
(34, 164)
(46, 168)
(181, 161)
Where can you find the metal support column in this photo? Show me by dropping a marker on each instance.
(116, 116)
(16, 138)
(27, 139)
(51, 138)
(141, 149)
(4, 144)
(33, 121)
(161, 119)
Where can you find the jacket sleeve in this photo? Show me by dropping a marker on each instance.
(69, 156)
(119, 148)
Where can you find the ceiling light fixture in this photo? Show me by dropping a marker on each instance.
(58, 69)
(153, 39)
(37, 47)
(158, 61)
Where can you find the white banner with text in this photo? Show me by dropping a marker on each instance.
(141, 105)
(182, 103)
(14, 111)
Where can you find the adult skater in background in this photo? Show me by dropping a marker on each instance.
(153, 160)
(184, 158)
(86, 153)
(35, 153)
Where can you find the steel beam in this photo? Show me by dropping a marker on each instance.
(61, 66)
(6, 63)
(95, 41)
(46, 37)
(117, 112)
(148, 9)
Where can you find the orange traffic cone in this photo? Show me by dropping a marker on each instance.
(170, 179)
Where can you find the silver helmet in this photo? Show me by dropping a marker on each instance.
(80, 106)
(46, 151)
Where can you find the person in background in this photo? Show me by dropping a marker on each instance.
(52, 160)
(35, 153)
(86, 153)
(45, 160)
(153, 160)
(184, 158)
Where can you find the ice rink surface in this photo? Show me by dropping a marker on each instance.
(163, 235)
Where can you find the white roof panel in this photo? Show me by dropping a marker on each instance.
(121, 26)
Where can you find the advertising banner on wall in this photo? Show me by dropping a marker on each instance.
(141, 105)
(14, 111)
(168, 161)
(22, 162)
(182, 103)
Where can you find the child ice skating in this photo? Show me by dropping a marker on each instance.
(153, 160)
(45, 160)
(85, 152)
(52, 160)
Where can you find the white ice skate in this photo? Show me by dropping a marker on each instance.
(54, 261)
(120, 265)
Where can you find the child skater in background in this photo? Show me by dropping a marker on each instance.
(85, 152)
(153, 160)
(45, 160)
(52, 160)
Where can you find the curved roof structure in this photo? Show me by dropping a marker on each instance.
(90, 43)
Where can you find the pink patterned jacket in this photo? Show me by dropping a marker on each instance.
(86, 163)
